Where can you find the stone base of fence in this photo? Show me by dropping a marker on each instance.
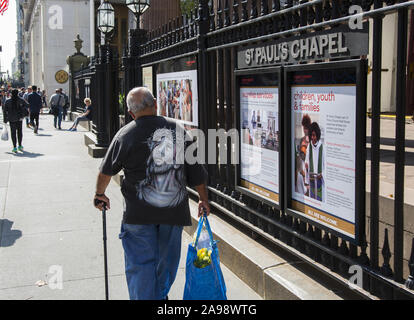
(93, 150)
(386, 219)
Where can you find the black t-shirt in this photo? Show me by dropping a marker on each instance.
(150, 150)
(89, 108)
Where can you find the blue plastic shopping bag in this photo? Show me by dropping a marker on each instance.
(207, 282)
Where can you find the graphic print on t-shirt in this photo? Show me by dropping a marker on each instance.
(164, 185)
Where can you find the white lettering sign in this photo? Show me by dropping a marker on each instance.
(56, 17)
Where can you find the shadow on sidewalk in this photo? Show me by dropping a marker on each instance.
(25, 154)
(8, 236)
(388, 156)
(391, 142)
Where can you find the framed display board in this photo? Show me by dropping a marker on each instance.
(325, 145)
(259, 119)
(147, 78)
(177, 90)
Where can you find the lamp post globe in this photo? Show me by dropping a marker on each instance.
(106, 18)
(138, 7)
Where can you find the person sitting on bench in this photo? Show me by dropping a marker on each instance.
(86, 116)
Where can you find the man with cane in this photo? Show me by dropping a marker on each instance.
(156, 204)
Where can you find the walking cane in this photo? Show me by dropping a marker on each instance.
(97, 202)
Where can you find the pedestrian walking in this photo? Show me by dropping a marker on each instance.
(57, 101)
(3, 97)
(66, 106)
(14, 110)
(86, 116)
(155, 195)
(44, 99)
(25, 98)
(35, 105)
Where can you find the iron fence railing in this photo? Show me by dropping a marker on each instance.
(214, 32)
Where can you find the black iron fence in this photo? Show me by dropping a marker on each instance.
(214, 33)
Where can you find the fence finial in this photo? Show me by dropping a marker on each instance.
(386, 254)
(212, 16)
(253, 13)
(264, 10)
(220, 15)
(235, 11)
(226, 13)
(363, 257)
(192, 23)
(275, 5)
(344, 251)
(244, 10)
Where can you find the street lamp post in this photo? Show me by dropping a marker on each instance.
(106, 80)
(106, 20)
(133, 74)
(138, 7)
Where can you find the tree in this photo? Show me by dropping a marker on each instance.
(187, 5)
(16, 75)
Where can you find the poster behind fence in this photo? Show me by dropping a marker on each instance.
(323, 147)
(177, 96)
(147, 78)
(259, 116)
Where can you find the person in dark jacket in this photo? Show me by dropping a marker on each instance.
(66, 106)
(35, 105)
(15, 109)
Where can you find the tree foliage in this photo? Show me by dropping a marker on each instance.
(187, 5)
(17, 75)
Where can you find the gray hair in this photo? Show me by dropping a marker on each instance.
(140, 99)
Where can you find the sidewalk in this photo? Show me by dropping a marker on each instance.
(387, 152)
(47, 219)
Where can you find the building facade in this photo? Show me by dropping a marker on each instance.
(50, 26)
(19, 64)
(48, 29)
(389, 63)
(160, 13)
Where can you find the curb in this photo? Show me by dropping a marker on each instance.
(389, 116)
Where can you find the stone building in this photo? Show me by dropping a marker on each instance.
(49, 28)
(160, 13)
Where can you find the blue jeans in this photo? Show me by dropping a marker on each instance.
(79, 119)
(152, 255)
(58, 118)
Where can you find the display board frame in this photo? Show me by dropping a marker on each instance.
(359, 66)
(153, 79)
(243, 190)
(180, 67)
